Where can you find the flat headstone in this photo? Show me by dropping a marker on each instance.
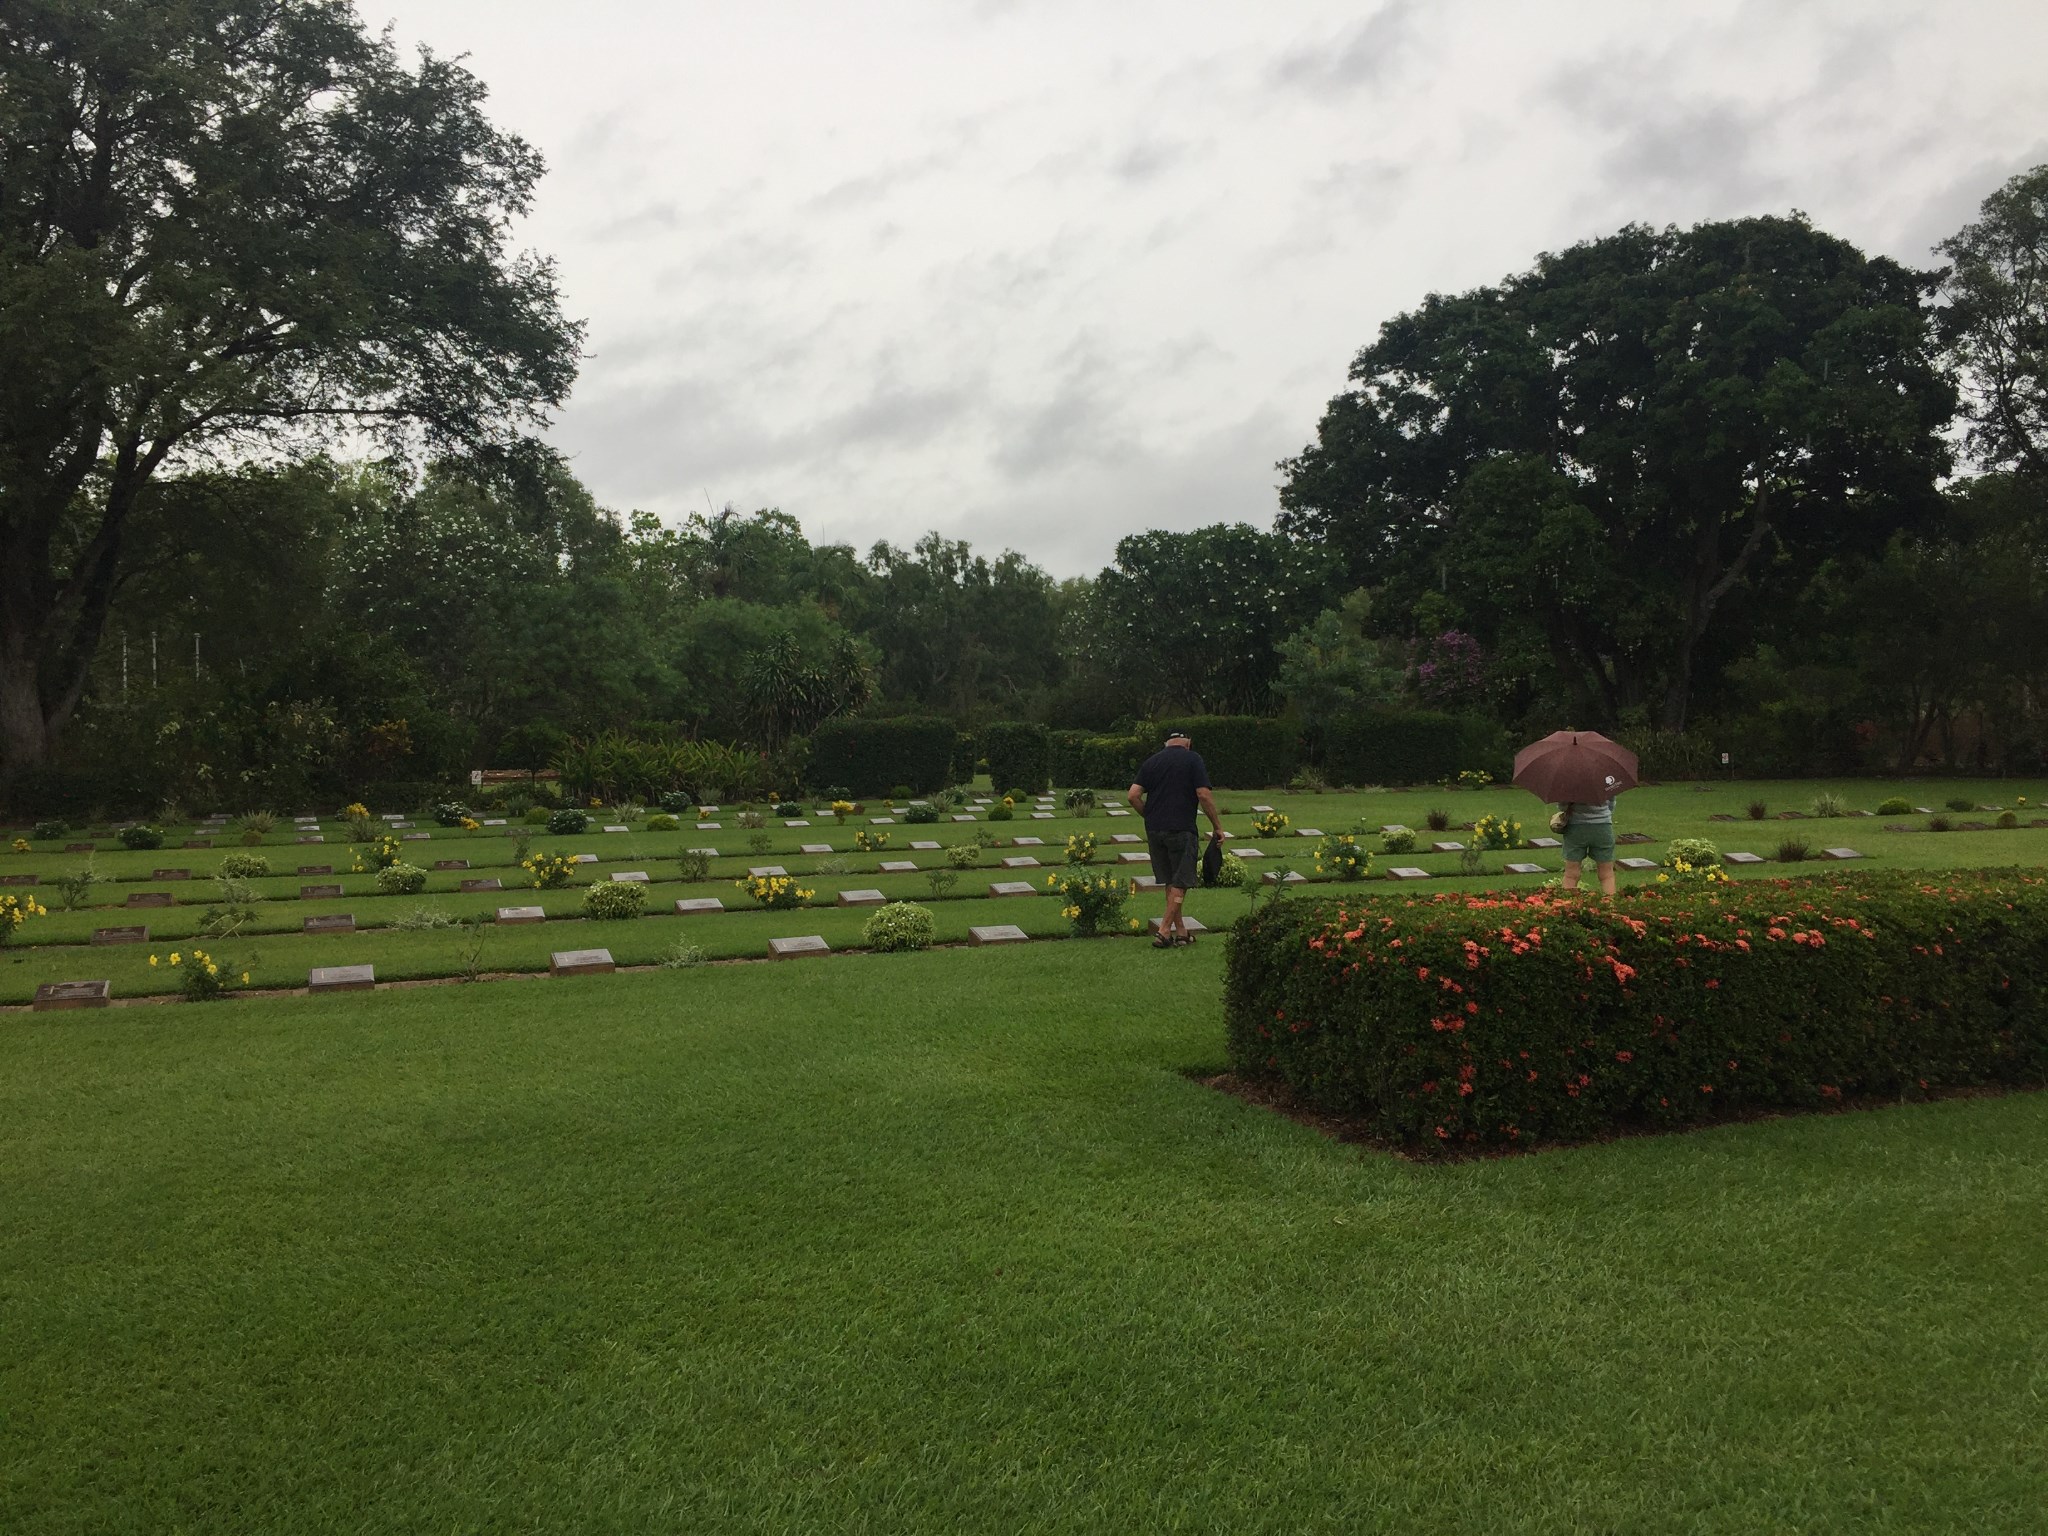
(927, 846)
(861, 899)
(1637, 863)
(170, 874)
(451, 863)
(814, 848)
(190, 842)
(1973, 826)
(1447, 847)
(1249, 853)
(392, 816)
(710, 826)
(1897, 827)
(1721, 816)
(884, 821)
(316, 869)
(692, 904)
(796, 822)
(1027, 842)
(1791, 815)
(1146, 883)
(963, 817)
(20, 879)
(707, 810)
(85, 847)
(1275, 877)
(582, 858)
(1525, 869)
(315, 838)
(1545, 842)
(629, 877)
(767, 869)
(617, 828)
(1125, 837)
(1742, 858)
(1134, 858)
(510, 915)
(1012, 888)
(580, 962)
(493, 821)
(1021, 861)
(797, 948)
(897, 867)
(416, 837)
(1262, 809)
(149, 899)
(1192, 924)
(52, 995)
(998, 933)
(331, 922)
(983, 800)
(1117, 813)
(120, 935)
(1863, 813)
(1042, 816)
(341, 978)
(485, 883)
(1840, 853)
(1407, 872)
(1308, 831)
(709, 853)
(1635, 837)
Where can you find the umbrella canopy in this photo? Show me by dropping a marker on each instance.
(1580, 766)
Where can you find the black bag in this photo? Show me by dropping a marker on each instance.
(1212, 861)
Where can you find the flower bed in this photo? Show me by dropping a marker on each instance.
(1466, 1018)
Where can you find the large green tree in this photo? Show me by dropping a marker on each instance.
(1622, 446)
(233, 226)
(1996, 321)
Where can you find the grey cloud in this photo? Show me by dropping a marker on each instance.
(1149, 159)
(1366, 54)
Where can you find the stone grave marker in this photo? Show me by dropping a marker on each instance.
(493, 821)
(1194, 924)
(170, 874)
(78, 847)
(1134, 858)
(1249, 853)
(331, 922)
(881, 821)
(315, 838)
(1545, 842)
(316, 869)
(53, 995)
(1274, 877)
(1147, 883)
(1125, 837)
(692, 904)
(797, 948)
(1742, 858)
(582, 858)
(898, 867)
(1447, 847)
(1308, 831)
(709, 853)
(710, 826)
(1525, 869)
(617, 828)
(1840, 853)
(629, 877)
(963, 816)
(451, 863)
(580, 962)
(416, 837)
(815, 848)
(1261, 809)
(927, 846)
(861, 899)
(707, 810)
(1118, 813)
(341, 978)
(998, 933)
(1013, 888)
(1973, 826)
(1042, 816)
(393, 816)
(1021, 861)
(190, 842)
(1923, 810)
(512, 915)
(486, 883)
(1791, 815)
(797, 822)
(1635, 837)
(1027, 842)
(983, 800)
(120, 935)
(767, 869)
(1637, 863)
(149, 899)
(20, 879)
(1863, 813)
(1407, 872)
(1721, 816)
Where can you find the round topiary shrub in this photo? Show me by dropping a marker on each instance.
(142, 837)
(401, 879)
(787, 809)
(451, 813)
(900, 925)
(1695, 851)
(663, 823)
(567, 822)
(1896, 805)
(922, 815)
(1397, 840)
(613, 899)
(243, 866)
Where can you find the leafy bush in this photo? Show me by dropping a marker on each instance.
(142, 837)
(1695, 851)
(1939, 823)
(871, 839)
(451, 813)
(2008, 819)
(920, 815)
(1827, 804)
(401, 879)
(1397, 840)
(1001, 813)
(1308, 781)
(1408, 746)
(243, 866)
(1497, 832)
(1081, 801)
(775, 892)
(1493, 1019)
(682, 956)
(963, 855)
(760, 842)
(1339, 856)
(751, 821)
(788, 809)
(867, 757)
(677, 802)
(539, 816)
(941, 881)
(609, 900)
(694, 864)
(567, 822)
(1758, 810)
(1271, 824)
(1962, 803)
(550, 871)
(1436, 820)
(50, 831)
(380, 853)
(1092, 900)
(1896, 805)
(75, 888)
(1792, 849)
(901, 792)
(425, 920)
(663, 822)
(1106, 762)
(1081, 848)
(202, 978)
(1019, 755)
(899, 925)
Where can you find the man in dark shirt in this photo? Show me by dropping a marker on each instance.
(1172, 782)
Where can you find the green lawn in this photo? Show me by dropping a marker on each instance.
(950, 1242)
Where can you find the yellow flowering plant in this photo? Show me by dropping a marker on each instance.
(381, 852)
(355, 809)
(841, 809)
(1272, 824)
(1091, 900)
(1491, 831)
(1339, 856)
(871, 839)
(777, 893)
(1081, 848)
(550, 871)
(21, 845)
(202, 977)
(16, 910)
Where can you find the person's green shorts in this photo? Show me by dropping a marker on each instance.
(1589, 840)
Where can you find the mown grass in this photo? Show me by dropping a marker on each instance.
(952, 1242)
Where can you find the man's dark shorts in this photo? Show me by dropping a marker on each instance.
(1173, 858)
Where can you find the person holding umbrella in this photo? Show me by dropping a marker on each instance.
(1580, 772)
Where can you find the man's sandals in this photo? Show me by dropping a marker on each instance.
(1166, 942)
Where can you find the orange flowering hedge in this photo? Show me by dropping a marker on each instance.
(1473, 1018)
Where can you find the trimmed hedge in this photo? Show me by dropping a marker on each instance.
(1241, 751)
(1473, 1018)
(872, 757)
(1019, 756)
(966, 757)
(1411, 747)
(1084, 760)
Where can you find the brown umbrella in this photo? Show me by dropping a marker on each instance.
(1580, 766)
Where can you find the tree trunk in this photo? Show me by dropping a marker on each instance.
(24, 734)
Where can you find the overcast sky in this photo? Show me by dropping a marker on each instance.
(1039, 275)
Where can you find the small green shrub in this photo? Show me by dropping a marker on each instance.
(1697, 852)
(898, 926)
(760, 842)
(1827, 803)
(401, 879)
(1792, 849)
(539, 816)
(1437, 821)
(1940, 823)
(49, 831)
(871, 839)
(1081, 801)
(694, 864)
(142, 837)
(777, 893)
(682, 956)
(2008, 819)
(1896, 805)
(550, 871)
(788, 809)
(1758, 810)
(451, 813)
(942, 882)
(567, 822)
(609, 900)
(921, 815)
(1397, 840)
(243, 866)
(677, 802)
(900, 792)
(426, 920)
(1001, 813)
(663, 823)
(74, 888)
(752, 821)
(262, 823)
(1961, 803)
